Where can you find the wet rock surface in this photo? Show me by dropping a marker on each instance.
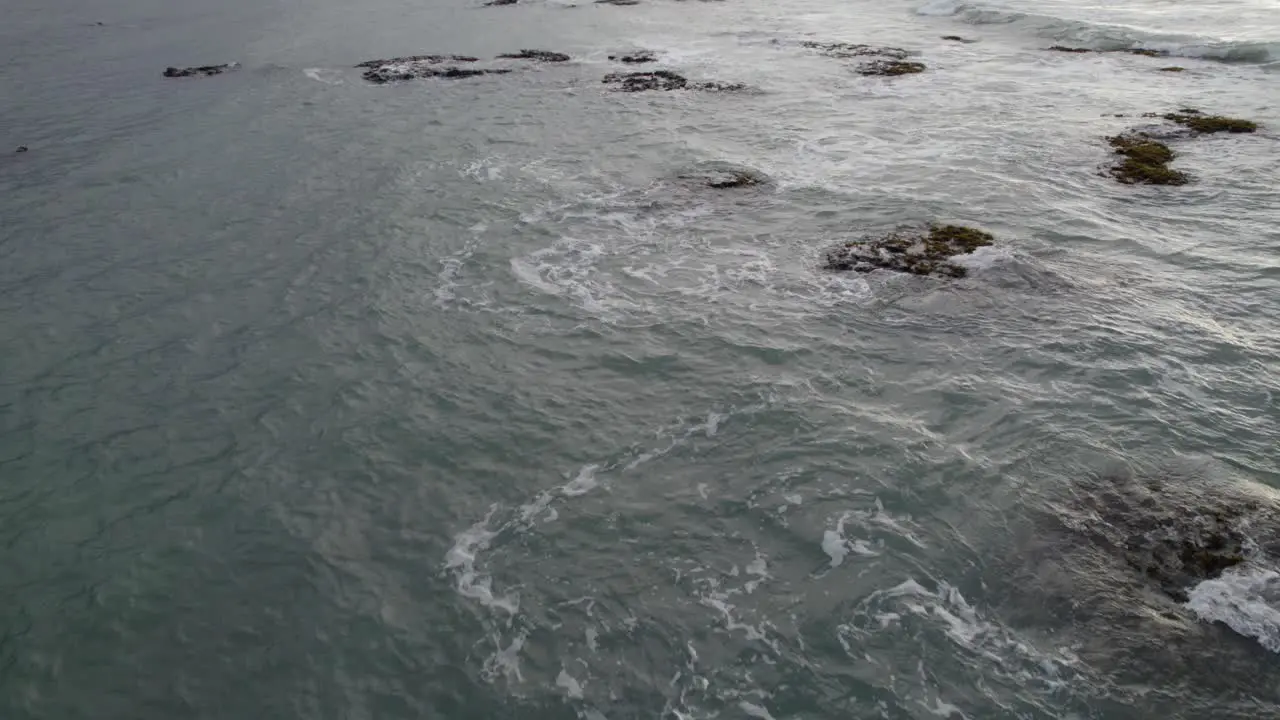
(664, 80)
(1173, 68)
(959, 39)
(1146, 161)
(1203, 124)
(201, 71)
(723, 176)
(1146, 158)
(910, 250)
(636, 57)
(617, 2)
(536, 55)
(1065, 49)
(890, 68)
(851, 50)
(494, 3)
(424, 66)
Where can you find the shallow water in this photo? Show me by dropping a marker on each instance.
(450, 398)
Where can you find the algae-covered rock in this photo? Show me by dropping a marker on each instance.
(890, 68)
(423, 66)
(636, 57)
(1173, 68)
(1145, 52)
(1207, 124)
(910, 251)
(202, 71)
(723, 176)
(850, 50)
(537, 55)
(1145, 161)
(664, 80)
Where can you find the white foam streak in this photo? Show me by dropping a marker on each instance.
(1247, 601)
(461, 559)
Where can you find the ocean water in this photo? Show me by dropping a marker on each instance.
(451, 399)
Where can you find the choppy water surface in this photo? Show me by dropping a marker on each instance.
(450, 399)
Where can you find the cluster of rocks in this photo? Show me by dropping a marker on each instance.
(201, 71)
(1146, 159)
(664, 80)
(883, 61)
(423, 66)
(635, 57)
(910, 250)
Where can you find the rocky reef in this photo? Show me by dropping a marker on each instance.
(910, 250)
(536, 55)
(1203, 124)
(423, 66)
(723, 176)
(202, 71)
(1146, 158)
(635, 57)
(664, 80)
(890, 68)
(1145, 161)
(851, 50)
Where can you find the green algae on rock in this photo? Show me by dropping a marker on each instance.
(1146, 161)
(910, 251)
(851, 50)
(1208, 124)
(890, 68)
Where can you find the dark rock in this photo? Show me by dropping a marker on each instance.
(1146, 161)
(641, 81)
(890, 68)
(493, 3)
(22, 149)
(202, 71)
(911, 251)
(664, 80)
(538, 55)
(1147, 53)
(1207, 124)
(637, 57)
(428, 59)
(1065, 49)
(957, 38)
(723, 176)
(849, 50)
(1172, 68)
(617, 2)
(423, 66)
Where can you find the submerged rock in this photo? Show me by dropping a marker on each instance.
(617, 2)
(957, 38)
(664, 80)
(723, 176)
(1145, 161)
(637, 57)
(22, 149)
(1065, 49)
(1206, 124)
(890, 68)
(538, 55)
(492, 3)
(910, 251)
(1172, 68)
(1147, 53)
(423, 66)
(202, 71)
(850, 50)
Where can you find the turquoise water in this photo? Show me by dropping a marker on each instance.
(450, 399)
